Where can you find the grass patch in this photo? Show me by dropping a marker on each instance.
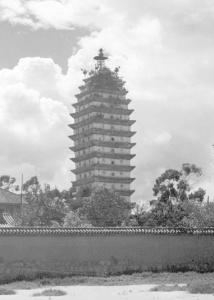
(50, 292)
(63, 281)
(198, 287)
(21, 285)
(4, 291)
(134, 279)
(168, 288)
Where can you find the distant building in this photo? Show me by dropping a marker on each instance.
(102, 132)
(10, 206)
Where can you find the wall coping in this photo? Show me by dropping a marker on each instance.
(103, 231)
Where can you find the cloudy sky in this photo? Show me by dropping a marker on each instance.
(166, 52)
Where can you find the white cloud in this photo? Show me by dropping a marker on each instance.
(58, 14)
(163, 138)
(33, 121)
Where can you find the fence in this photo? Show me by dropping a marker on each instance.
(31, 252)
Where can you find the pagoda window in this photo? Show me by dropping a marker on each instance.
(112, 139)
(112, 174)
(112, 162)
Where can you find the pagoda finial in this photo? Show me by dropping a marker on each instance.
(100, 58)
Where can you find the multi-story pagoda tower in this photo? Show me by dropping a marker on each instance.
(102, 132)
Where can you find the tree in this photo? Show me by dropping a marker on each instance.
(74, 202)
(172, 191)
(199, 215)
(106, 208)
(7, 182)
(42, 207)
(174, 186)
(197, 195)
(162, 214)
(139, 215)
(72, 219)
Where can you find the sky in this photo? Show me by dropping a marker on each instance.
(165, 50)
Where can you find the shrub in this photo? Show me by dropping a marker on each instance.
(168, 288)
(50, 293)
(198, 287)
(4, 291)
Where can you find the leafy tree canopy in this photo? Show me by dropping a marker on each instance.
(72, 219)
(8, 182)
(43, 206)
(106, 208)
(175, 186)
(173, 190)
(199, 215)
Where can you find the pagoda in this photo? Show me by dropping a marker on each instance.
(102, 132)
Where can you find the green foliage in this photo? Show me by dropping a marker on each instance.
(50, 293)
(164, 186)
(106, 208)
(5, 291)
(74, 203)
(173, 192)
(162, 214)
(72, 219)
(199, 215)
(200, 287)
(174, 186)
(43, 207)
(84, 192)
(197, 195)
(168, 288)
(32, 185)
(8, 182)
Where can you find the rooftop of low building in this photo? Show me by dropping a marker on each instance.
(8, 197)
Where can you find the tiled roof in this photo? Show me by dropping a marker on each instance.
(6, 220)
(102, 231)
(7, 197)
(2, 220)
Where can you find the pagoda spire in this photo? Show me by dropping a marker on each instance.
(100, 58)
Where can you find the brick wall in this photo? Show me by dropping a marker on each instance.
(30, 252)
